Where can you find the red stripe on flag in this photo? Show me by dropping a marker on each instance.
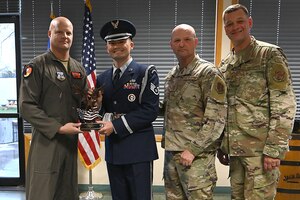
(84, 154)
(91, 143)
(91, 146)
(93, 75)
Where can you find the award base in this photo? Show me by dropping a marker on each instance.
(90, 195)
(90, 126)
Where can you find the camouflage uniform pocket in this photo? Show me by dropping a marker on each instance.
(266, 179)
(202, 173)
(265, 185)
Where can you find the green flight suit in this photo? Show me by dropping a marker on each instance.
(49, 97)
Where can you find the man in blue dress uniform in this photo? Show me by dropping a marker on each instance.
(130, 105)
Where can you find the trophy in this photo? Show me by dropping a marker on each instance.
(89, 110)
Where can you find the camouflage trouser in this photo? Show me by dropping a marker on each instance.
(249, 181)
(194, 182)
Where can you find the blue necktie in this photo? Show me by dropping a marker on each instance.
(116, 76)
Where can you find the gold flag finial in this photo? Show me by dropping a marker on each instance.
(52, 16)
(88, 4)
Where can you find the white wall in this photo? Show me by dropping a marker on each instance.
(100, 176)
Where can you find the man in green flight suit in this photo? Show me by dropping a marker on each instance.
(49, 96)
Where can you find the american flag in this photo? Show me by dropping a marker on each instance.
(89, 142)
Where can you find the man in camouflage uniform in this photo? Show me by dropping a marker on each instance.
(261, 109)
(195, 110)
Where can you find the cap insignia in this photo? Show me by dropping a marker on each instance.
(115, 24)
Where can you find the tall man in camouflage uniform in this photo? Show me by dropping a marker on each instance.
(195, 110)
(261, 109)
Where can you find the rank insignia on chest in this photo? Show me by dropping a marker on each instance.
(76, 75)
(27, 71)
(60, 76)
(132, 85)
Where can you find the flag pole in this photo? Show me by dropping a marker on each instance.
(90, 194)
(91, 138)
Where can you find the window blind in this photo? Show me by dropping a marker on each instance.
(9, 6)
(154, 21)
(275, 22)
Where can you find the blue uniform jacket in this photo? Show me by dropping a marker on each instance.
(136, 106)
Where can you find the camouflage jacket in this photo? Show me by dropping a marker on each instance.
(195, 107)
(261, 101)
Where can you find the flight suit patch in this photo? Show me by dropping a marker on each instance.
(60, 76)
(27, 71)
(76, 75)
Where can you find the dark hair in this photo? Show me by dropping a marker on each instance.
(235, 7)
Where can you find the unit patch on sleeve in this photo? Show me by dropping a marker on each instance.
(27, 71)
(278, 77)
(218, 91)
(154, 89)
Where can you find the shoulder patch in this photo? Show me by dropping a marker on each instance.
(27, 70)
(279, 77)
(218, 89)
(152, 69)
